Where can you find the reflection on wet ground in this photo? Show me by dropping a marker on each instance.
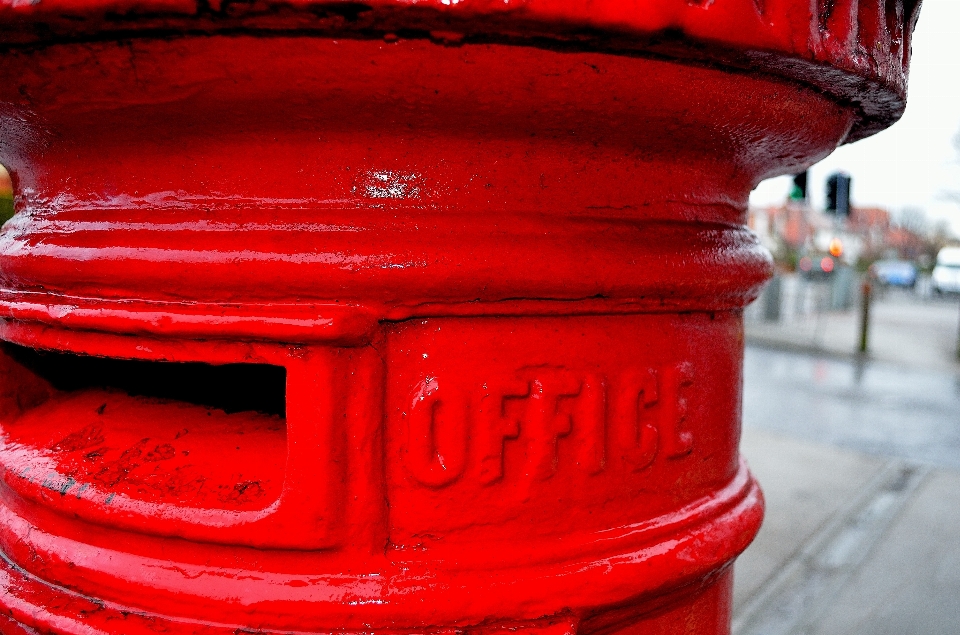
(873, 407)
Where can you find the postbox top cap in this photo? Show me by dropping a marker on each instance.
(856, 50)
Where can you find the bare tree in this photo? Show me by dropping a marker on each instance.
(914, 220)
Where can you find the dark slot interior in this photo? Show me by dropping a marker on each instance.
(229, 387)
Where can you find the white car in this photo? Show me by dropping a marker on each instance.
(946, 275)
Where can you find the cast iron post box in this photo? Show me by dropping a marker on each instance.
(397, 316)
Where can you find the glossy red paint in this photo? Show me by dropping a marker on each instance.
(324, 323)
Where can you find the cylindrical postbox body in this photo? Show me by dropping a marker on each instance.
(395, 317)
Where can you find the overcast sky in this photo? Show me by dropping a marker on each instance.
(913, 164)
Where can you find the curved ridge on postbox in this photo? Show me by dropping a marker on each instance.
(857, 51)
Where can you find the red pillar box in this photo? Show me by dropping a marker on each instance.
(399, 317)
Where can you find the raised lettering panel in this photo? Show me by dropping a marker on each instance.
(599, 421)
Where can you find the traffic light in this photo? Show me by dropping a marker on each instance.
(838, 194)
(836, 247)
(799, 190)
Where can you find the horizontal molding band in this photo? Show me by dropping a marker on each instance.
(302, 280)
(629, 565)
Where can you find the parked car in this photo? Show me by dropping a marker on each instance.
(895, 273)
(946, 274)
(814, 266)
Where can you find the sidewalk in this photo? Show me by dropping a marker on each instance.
(854, 543)
(851, 544)
(905, 328)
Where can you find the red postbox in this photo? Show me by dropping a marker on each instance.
(403, 317)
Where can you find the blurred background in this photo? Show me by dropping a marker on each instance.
(852, 375)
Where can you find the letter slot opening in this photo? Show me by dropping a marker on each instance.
(79, 431)
(228, 387)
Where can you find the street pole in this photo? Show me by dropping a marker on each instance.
(958, 338)
(865, 297)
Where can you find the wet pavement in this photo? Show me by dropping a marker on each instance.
(908, 328)
(872, 407)
(860, 466)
